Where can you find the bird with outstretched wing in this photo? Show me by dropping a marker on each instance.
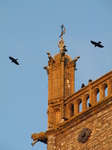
(97, 44)
(14, 60)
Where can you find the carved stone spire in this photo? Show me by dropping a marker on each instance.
(61, 44)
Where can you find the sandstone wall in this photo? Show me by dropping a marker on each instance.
(98, 119)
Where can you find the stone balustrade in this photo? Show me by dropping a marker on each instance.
(88, 96)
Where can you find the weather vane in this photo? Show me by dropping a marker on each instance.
(62, 30)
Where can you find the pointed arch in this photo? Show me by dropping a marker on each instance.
(71, 109)
(87, 100)
(105, 90)
(97, 95)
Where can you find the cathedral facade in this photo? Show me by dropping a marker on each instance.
(76, 120)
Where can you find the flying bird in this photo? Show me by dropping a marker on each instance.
(14, 60)
(97, 44)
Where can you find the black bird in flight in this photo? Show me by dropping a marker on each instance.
(98, 44)
(14, 60)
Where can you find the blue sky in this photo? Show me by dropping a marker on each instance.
(29, 29)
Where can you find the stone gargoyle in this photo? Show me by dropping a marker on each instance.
(39, 137)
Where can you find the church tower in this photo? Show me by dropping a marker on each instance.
(61, 74)
(69, 127)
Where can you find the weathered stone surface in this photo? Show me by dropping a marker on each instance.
(100, 124)
(64, 103)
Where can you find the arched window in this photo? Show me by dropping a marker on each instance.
(80, 106)
(97, 95)
(71, 110)
(88, 102)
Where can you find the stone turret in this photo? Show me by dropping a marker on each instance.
(61, 82)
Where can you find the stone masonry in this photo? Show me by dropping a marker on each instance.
(80, 120)
(97, 118)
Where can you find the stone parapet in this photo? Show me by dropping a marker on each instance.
(101, 87)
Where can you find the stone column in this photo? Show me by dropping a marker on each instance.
(63, 87)
(50, 81)
(109, 86)
(102, 92)
(84, 103)
(49, 91)
(90, 93)
(76, 108)
(62, 77)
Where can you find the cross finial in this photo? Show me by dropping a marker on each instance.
(62, 31)
(62, 26)
(61, 43)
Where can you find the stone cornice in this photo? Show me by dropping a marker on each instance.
(64, 126)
